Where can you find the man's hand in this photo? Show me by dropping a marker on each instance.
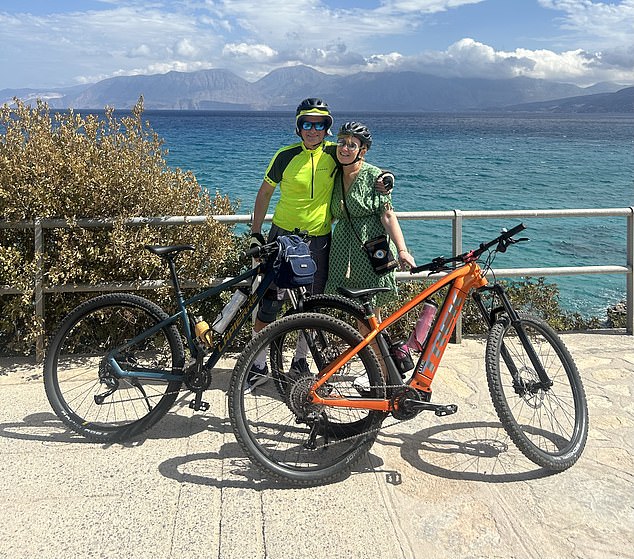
(256, 240)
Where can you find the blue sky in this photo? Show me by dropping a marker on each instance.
(57, 43)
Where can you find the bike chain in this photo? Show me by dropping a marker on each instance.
(158, 396)
(383, 425)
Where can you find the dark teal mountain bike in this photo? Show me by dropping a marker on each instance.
(118, 362)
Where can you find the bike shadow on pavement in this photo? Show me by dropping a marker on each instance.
(472, 450)
(46, 427)
(237, 470)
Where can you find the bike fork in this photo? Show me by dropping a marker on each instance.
(490, 317)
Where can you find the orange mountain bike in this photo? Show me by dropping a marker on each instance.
(310, 426)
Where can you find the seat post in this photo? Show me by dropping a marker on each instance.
(174, 277)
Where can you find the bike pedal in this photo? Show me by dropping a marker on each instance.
(199, 406)
(446, 410)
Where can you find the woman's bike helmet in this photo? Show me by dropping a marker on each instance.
(313, 107)
(358, 130)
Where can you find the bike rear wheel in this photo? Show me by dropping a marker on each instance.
(548, 424)
(86, 392)
(286, 436)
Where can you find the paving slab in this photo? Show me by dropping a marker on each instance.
(453, 487)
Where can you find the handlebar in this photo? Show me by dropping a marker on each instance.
(268, 249)
(502, 241)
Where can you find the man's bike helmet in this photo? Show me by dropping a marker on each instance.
(313, 107)
(358, 130)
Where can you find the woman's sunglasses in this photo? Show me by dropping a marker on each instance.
(351, 146)
(319, 126)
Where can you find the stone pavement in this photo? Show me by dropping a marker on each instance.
(452, 487)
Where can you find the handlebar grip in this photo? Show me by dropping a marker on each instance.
(515, 230)
(253, 252)
(421, 268)
(261, 251)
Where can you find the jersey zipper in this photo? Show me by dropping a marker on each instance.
(312, 179)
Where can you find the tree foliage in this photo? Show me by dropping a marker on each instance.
(69, 166)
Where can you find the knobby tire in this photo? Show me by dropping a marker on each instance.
(549, 426)
(76, 372)
(274, 430)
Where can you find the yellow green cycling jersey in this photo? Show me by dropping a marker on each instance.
(306, 179)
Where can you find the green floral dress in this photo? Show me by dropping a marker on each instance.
(348, 264)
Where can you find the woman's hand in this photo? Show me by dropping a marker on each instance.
(384, 182)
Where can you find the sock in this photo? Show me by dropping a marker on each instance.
(301, 349)
(260, 359)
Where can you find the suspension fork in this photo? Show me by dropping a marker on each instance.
(506, 308)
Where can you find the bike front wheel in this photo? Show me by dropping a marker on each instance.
(83, 387)
(284, 434)
(549, 424)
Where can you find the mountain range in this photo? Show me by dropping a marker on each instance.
(283, 88)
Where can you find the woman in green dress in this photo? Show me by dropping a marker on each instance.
(362, 213)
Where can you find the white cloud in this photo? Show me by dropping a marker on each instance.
(423, 6)
(155, 36)
(258, 53)
(601, 22)
(140, 51)
(470, 58)
(186, 49)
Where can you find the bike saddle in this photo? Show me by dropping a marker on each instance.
(360, 292)
(165, 251)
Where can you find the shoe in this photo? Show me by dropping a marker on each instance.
(299, 366)
(256, 377)
(362, 384)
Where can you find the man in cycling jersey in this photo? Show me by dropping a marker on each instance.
(305, 174)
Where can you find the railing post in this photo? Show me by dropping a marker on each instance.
(629, 281)
(39, 289)
(456, 247)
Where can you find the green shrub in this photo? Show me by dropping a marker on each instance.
(69, 166)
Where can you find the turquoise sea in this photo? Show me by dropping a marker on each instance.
(455, 161)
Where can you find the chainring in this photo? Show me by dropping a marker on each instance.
(400, 408)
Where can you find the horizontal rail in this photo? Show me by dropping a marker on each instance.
(455, 216)
(518, 272)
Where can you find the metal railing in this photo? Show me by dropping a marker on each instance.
(457, 218)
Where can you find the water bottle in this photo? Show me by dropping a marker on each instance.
(203, 332)
(402, 358)
(418, 337)
(229, 311)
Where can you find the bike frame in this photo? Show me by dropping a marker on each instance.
(222, 340)
(461, 282)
